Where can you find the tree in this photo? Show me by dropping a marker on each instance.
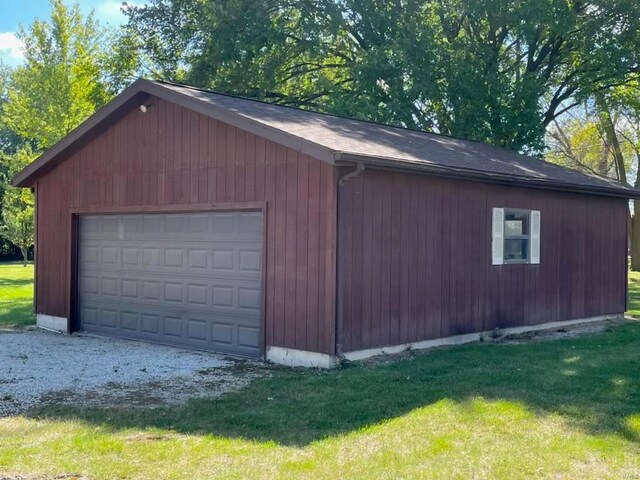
(492, 70)
(579, 141)
(17, 217)
(67, 75)
(10, 142)
(18, 220)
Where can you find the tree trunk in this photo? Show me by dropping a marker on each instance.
(612, 139)
(24, 252)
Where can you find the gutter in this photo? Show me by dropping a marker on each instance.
(341, 257)
(344, 158)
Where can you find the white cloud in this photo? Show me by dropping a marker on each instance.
(10, 48)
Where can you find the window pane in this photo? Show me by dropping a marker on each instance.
(513, 227)
(516, 249)
(516, 223)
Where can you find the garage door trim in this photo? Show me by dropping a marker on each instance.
(74, 244)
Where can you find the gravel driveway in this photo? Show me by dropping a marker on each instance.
(38, 367)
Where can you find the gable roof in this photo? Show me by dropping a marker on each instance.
(338, 141)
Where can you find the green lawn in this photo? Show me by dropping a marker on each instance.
(634, 294)
(16, 294)
(561, 409)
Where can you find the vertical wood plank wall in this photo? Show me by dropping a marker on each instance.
(418, 259)
(174, 156)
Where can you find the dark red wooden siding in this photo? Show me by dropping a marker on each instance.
(418, 259)
(174, 156)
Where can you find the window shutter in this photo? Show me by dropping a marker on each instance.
(497, 238)
(535, 236)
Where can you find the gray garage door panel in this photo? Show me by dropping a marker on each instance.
(183, 279)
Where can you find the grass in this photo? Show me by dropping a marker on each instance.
(634, 294)
(556, 409)
(16, 294)
(560, 409)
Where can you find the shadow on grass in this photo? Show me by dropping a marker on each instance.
(15, 282)
(590, 381)
(17, 313)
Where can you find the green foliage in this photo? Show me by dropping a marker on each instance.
(60, 83)
(10, 141)
(121, 61)
(493, 70)
(578, 143)
(18, 224)
(625, 102)
(19, 160)
(580, 140)
(16, 205)
(72, 67)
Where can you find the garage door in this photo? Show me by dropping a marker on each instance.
(182, 279)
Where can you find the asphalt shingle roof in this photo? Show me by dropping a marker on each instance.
(398, 145)
(340, 140)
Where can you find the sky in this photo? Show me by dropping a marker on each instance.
(16, 12)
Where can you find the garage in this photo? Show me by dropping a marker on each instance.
(185, 279)
(186, 217)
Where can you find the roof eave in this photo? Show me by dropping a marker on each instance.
(345, 158)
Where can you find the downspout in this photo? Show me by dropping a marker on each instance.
(341, 258)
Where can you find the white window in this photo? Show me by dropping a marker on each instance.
(516, 236)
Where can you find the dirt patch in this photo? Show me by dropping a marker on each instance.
(571, 331)
(498, 337)
(40, 368)
(205, 383)
(17, 329)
